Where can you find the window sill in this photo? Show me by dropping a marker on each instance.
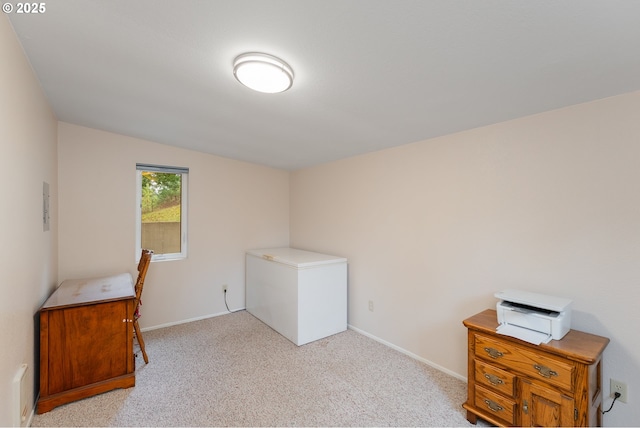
(167, 258)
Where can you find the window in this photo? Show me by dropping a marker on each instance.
(161, 211)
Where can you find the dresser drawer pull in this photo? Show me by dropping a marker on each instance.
(493, 353)
(545, 371)
(493, 379)
(493, 406)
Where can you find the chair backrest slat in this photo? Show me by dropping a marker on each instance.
(143, 266)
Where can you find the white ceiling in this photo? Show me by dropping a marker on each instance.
(370, 74)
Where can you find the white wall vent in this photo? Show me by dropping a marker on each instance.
(20, 401)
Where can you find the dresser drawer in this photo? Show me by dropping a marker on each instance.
(495, 404)
(554, 371)
(495, 378)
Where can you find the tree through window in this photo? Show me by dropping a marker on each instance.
(161, 209)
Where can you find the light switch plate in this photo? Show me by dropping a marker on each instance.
(45, 207)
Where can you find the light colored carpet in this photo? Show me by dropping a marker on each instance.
(233, 370)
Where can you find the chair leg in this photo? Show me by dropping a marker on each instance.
(136, 328)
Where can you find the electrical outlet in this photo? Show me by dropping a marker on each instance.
(224, 288)
(371, 305)
(617, 386)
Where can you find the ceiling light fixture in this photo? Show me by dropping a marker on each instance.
(262, 72)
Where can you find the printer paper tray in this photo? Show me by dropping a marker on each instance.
(525, 334)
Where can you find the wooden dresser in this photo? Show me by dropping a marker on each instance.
(514, 383)
(86, 340)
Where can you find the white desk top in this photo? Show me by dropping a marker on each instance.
(74, 292)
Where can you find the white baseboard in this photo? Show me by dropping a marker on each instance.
(33, 411)
(410, 354)
(204, 317)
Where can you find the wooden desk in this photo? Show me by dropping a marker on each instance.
(86, 340)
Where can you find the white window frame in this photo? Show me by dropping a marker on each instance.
(183, 210)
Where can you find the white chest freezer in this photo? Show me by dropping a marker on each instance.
(300, 294)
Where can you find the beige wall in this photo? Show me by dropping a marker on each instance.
(28, 255)
(233, 206)
(547, 203)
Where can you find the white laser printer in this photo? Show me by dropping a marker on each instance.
(533, 317)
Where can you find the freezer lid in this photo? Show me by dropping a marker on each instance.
(295, 257)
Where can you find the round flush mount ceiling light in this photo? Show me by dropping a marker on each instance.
(262, 72)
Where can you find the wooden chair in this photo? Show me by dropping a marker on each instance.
(143, 265)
